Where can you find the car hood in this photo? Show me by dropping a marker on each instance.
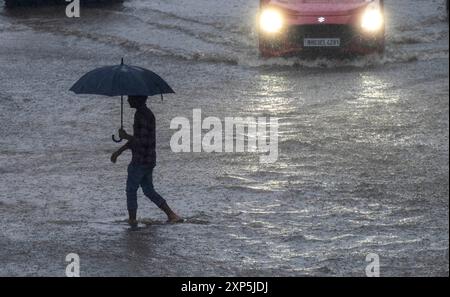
(322, 7)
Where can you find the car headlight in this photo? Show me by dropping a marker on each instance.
(271, 21)
(372, 19)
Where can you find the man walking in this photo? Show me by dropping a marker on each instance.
(140, 171)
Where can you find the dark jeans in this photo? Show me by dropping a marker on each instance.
(141, 175)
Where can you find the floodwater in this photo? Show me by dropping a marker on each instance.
(363, 147)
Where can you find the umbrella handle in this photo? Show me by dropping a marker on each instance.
(116, 140)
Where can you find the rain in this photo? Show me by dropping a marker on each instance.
(362, 164)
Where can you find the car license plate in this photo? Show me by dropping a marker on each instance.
(321, 42)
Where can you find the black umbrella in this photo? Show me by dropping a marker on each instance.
(121, 80)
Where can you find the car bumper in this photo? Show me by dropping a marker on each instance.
(292, 41)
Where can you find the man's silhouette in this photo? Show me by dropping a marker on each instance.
(140, 171)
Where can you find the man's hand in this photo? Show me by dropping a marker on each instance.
(123, 134)
(117, 153)
(114, 156)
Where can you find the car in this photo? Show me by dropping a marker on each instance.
(297, 27)
(18, 3)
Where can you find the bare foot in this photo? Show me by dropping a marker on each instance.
(173, 219)
(133, 223)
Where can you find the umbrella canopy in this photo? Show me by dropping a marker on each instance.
(121, 80)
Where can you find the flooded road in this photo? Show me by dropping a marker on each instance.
(363, 147)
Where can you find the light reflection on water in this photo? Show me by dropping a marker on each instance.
(374, 89)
